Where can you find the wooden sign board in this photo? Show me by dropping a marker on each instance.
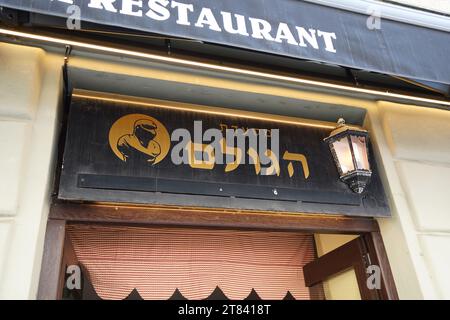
(120, 149)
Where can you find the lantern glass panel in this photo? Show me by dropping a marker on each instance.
(344, 155)
(360, 150)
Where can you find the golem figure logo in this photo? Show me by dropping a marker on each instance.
(139, 138)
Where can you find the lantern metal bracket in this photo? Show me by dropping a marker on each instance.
(357, 179)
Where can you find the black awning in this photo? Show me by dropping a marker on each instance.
(285, 27)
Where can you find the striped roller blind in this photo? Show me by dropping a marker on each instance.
(158, 261)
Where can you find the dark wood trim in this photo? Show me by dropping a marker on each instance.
(50, 282)
(345, 257)
(58, 252)
(357, 254)
(377, 253)
(361, 277)
(340, 259)
(201, 217)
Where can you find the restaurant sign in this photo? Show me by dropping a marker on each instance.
(291, 28)
(120, 149)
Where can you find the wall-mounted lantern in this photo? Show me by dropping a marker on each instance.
(349, 147)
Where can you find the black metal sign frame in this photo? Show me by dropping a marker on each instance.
(104, 161)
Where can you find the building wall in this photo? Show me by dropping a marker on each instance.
(441, 6)
(413, 148)
(30, 94)
(411, 145)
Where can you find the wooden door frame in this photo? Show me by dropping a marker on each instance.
(63, 213)
(358, 254)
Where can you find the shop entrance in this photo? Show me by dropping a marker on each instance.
(190, 263)
(124, 252)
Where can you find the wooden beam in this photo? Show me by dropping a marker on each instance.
(50, 282)
(346, 257)
(377, 251)
(338, 260)
(201, 217)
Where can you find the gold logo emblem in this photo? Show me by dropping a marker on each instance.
(138, 137)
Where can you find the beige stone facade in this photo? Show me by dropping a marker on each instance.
(412, 146)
